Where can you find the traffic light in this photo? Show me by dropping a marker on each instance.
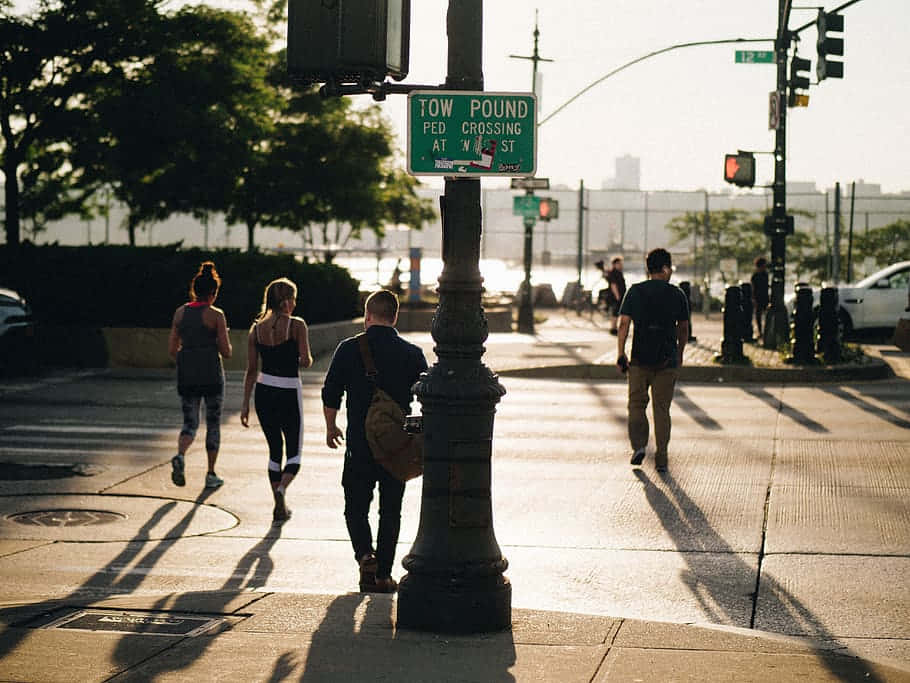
(548, 208)
(739, 169)
(827, 23)
(797, 80)
(356, 41)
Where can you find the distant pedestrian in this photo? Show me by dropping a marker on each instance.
(395, 285)
(282, 341)
(616, 284)
(398, 365)
(760, 298)
(659, 313)
(198, 341)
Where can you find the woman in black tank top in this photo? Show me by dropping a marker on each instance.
(281, 341)
(198, 341)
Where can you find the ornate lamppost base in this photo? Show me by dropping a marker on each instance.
(443, 605)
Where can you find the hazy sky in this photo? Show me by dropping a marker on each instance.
(680, 112)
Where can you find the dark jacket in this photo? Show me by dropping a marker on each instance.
(662, 304)
(398, 365)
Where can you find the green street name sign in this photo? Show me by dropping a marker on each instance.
(755, 57)
(462, 133)
(527, 205)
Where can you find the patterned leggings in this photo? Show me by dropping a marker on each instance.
(191, 406)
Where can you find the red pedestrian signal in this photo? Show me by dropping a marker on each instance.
(739, 169)
(548, 209)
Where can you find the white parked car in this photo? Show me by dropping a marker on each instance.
(15, 315)
(877, 301)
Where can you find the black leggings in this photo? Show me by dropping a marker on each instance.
(280, 413)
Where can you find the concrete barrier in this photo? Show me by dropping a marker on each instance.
(135, 347)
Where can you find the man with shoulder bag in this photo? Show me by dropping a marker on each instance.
(396, 366)
(660, 316)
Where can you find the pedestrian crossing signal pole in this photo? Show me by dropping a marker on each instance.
(777, 323)
(455, 581)
(525, 298)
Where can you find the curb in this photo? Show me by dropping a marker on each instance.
(873, 369)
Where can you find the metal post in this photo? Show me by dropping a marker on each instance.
(850, 233)
(835, 266)
(706, 299)
(455, 579)
(525, 298)
(777, 323)
(579, 259)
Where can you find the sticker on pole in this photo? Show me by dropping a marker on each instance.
(464, 133)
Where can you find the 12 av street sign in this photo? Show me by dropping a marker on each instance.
(465, 133)
(754, 57)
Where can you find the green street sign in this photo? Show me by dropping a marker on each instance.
(527, 205)
(462, 133)
(755, 57)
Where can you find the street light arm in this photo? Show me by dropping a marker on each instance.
(643, 58)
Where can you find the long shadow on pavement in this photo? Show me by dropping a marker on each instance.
(695, 411)
(785, 409)
(357, 641)
(684, 520)
(117, 577)
(243, 577)
(864, 404)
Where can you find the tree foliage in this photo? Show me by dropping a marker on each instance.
(184, 112)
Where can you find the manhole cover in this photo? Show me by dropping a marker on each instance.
(57, 518)
(136, 622)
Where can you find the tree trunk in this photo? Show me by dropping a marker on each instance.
(11, 199)
(131, 229)
(250, 230)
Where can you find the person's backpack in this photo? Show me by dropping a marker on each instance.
(397, 451)
(655, 348)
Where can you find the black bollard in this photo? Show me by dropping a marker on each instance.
(731, 346)
(829, 332)
(687, 290)
(746, 289)
(803, 348)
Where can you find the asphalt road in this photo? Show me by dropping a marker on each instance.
(786, 508)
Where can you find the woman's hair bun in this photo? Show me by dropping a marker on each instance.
(207, 268)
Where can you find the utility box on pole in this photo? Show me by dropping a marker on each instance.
(349, 41)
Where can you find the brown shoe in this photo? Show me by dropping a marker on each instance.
(368, 567)
(387, 585)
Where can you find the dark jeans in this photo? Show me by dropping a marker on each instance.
(359, 480)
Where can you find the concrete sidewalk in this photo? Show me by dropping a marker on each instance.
(261, 635)
(245, 636)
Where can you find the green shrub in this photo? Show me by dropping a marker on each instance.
(122, 286)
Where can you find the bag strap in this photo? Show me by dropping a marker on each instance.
(367, 357)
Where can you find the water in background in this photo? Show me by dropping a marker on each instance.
(499, 277)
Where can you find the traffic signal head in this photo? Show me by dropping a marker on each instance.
(739, 169)
(548, 208)
(355, 41)
(797, 80)
(827, 45)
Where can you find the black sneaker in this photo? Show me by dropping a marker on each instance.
(177, 467)
(637, 457)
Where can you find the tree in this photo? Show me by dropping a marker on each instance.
(47, 62)
(731, 233)
(176, 133)
(886, 245)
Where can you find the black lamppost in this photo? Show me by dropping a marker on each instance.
(455, 579)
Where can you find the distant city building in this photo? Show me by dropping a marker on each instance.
(628, 174)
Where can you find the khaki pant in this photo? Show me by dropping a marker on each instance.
(661, 384)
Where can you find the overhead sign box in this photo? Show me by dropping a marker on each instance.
(354, 41)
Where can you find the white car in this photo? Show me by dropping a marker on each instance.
(877, 301)
(15, 315)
